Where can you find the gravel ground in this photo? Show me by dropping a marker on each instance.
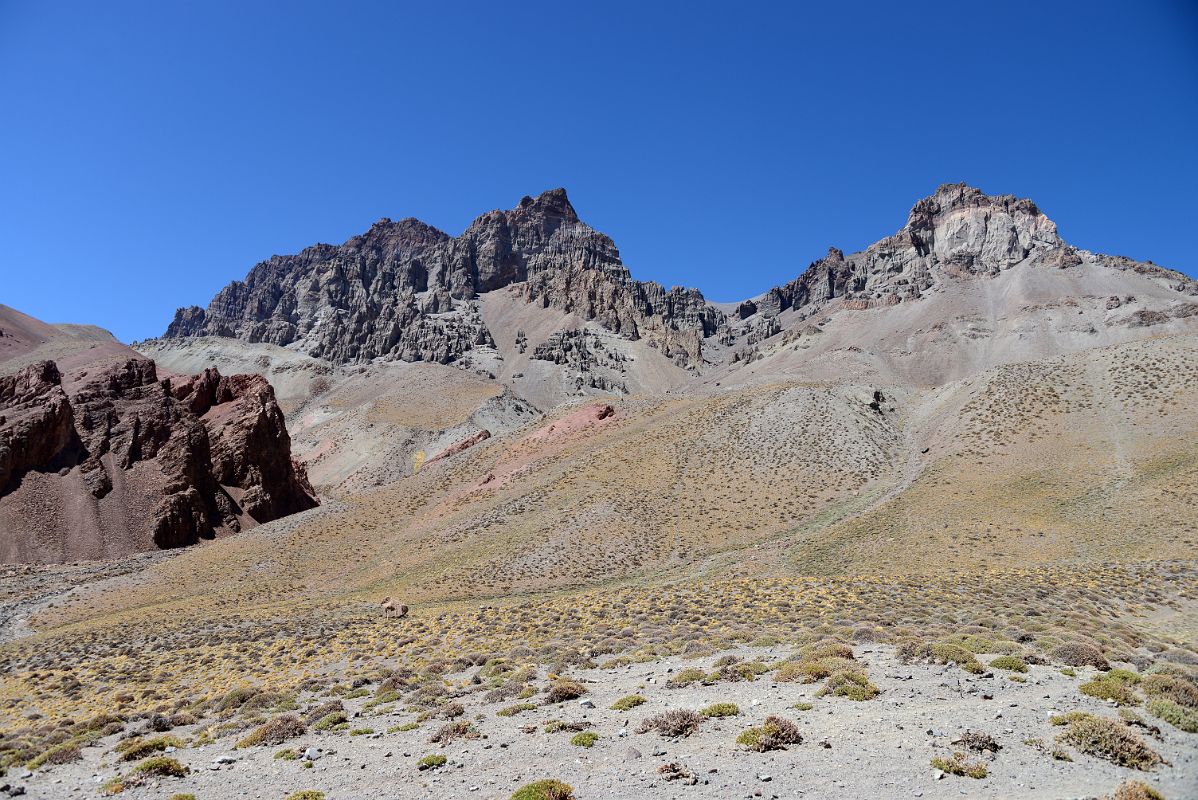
(873, 749)
(26, 589)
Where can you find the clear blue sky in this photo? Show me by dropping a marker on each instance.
(151, 152)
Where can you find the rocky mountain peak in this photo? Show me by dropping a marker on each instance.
(953, 196)
(550, 203)
(398, 290)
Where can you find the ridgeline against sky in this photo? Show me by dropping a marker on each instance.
(169, 147)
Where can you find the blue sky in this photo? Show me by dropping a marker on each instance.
(152, 152)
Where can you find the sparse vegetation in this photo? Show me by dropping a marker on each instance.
(673, 724)
(716, 710)
(1009, 663)
(959, 764)
(1136, 790)
(562, 690)
(1107, 739)
(774, 734)
(584, 739)
(978, 742)
(1115, 685)
(453, 731)
(628, 702)
(545, 790)
(277, 731)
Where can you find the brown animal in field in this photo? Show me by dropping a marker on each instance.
(393, 609)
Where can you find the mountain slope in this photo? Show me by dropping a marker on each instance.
(545, 313)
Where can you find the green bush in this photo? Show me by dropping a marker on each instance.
(544, 790)
(1180, 717)
(511, 711)
(850, 683)
(721, 710)
(949, 653)
(407, 726)
(330, 721)
(1010, 663)
(686, 677)
(1109, 687)
(584, 739)
(137, 748)
(1108, 739)
(431, 762)
(774, 734)
(160, 766)
(627, 702)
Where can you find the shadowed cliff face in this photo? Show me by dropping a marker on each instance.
(404, 290)
(129, 462)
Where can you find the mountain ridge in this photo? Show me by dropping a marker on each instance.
(406, 290)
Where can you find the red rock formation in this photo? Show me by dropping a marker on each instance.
(251, 448)
(459, 446)
(130, 462)
(36, 424)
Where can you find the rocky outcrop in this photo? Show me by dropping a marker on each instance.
(37, 429)
(249, 445)
(958, 232)
(401, 290)
(583, 353)
(207, 454)
(404, 290)
(461, 445)
(676, 321)
(1144, 317)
